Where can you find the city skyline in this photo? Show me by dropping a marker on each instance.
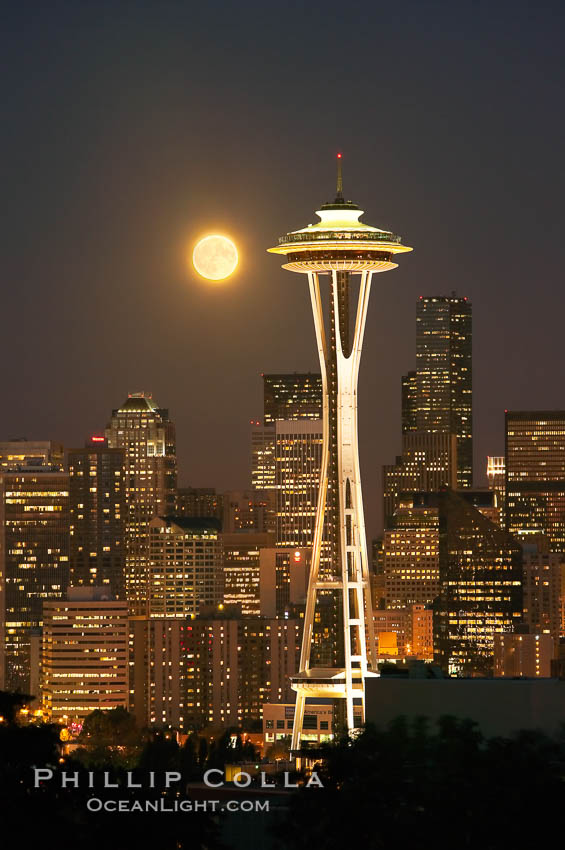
(107, 204)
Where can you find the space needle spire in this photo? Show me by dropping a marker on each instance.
(330, 252)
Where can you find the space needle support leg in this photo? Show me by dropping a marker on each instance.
(318, 314)
(364, 293)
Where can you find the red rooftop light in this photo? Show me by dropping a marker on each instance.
(95, 439)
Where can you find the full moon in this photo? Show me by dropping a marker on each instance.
(215, 257)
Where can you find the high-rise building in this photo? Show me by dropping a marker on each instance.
(444, 374)
(147, 436)
(523, 655)
(535, 475)
(84, 654)
(192, 673)
(410, 554)
(242, 571)
(496, 478)
(542, 589)
(22, 453)
(480, 586)
(339, 245)
(298, 458)
(292, 396)
(237, 665)
(199, 501)
(262, 456)
(97, 516)
(428, 463)
(34, 561)
(409, 402)
(185, 566)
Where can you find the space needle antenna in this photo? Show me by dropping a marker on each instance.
(339, 191)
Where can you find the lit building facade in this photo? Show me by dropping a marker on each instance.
(480, 587)
(19, 454)
(147, 436)
(496, 478)
(535, 475)
(283, 580)
(34, 562)
(278, 719)
(185, 566)
(444, 374)
(523, 655)
(242, 570)
(542, 572)
(410, 554)
(298, 458)
(97, 515)
(84, 654)
(292, 396)
(190, 674)
(428, 463)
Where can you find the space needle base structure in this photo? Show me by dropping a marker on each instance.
(343, 248)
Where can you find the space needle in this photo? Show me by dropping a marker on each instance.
(345, 249)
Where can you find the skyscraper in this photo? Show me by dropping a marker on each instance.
(428, 463)
(444, 375)
(298, 458)
(242, 571)
(147, 436)
(34, 562)
(185, 566)
(480, 587)
(535, 475)
(97, 511)
(292, 396)
(339, 245)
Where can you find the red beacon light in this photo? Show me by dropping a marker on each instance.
(297, 557)
(96, 439)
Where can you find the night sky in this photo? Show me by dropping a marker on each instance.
(131, 128)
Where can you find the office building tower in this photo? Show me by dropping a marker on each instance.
(298, 458)
(428, 463)
(34, 562)
(523, 655)
(199, 501)
(242, 571)
(410, 554)
(404, 633)
(444, 384)
(147, 436)
(185, 566)
(97, 516)
(535, 475)
(249, 511)
(496, 478)
(291, 397)
(409, 402)
(480, 586)
(542, 589)
(262, 456)
(22, 454)
(84, 654)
